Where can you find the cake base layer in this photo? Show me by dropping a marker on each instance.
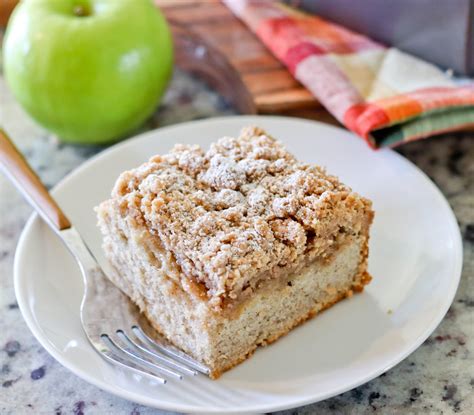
(271, 315)
(222, 339)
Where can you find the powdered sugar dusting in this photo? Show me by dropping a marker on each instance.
(239, 210)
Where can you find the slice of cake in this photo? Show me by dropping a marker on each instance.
(229, 249)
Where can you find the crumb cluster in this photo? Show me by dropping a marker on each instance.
(239, 210)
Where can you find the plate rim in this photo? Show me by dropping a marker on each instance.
(152, 402)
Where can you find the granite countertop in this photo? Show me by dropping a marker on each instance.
(438, 378)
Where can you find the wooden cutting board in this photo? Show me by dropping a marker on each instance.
(259, 83)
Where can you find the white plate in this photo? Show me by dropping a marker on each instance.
(415, 259)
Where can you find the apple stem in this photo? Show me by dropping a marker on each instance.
(80, 11)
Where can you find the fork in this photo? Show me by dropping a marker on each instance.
(112, 324)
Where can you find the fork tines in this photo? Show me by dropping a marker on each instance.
(153, 358)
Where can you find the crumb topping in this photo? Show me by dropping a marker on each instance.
(240, 210)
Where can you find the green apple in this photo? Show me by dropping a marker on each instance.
(88, 70)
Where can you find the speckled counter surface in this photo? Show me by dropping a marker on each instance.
(438, 378)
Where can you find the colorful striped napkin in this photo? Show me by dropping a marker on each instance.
(386, 96)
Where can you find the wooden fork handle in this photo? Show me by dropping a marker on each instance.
(29, 184)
